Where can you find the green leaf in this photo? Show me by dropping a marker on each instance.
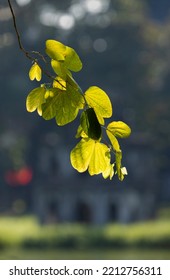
(35, 72)
(91, 155)
(72, 60)
(119, 129)
(64, 106)
(100, 102)
(35, 99)
(90, 124)
(55, 50)
(113, 141)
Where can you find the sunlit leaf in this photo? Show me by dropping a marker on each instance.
(72, 60)
(35, 99)
(91, 155)
(81, 155)
(49, 93)
(59, 69)
(81, 133)
(90, 124)
(55, 50)
(100, 102)
(72, 84)
(64, 106)
(113, 141)
(119, 129)
(39, 110)
(100, 159)
(108, 172)
(59, 83)
(64, 100)
(35, 72)
(124, 171)
(76, 98)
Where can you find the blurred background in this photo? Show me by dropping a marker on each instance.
(45, 205)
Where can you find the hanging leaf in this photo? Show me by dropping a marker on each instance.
(76, 98)
(35, 72)
(73, 85)
(80, 156)
(64, 100)
(81, 133)
(100, 102)
(91, 155)
(35, 99)
(90, 124)
(119, 165)
(100, 159)
(123, 172)
(55, 50)
(113, 141)
(72, 60)
(59, 83)
(109, 172)
(64, 106)
(119, 129)
(60, 69)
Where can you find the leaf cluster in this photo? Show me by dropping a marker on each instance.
(63, 99)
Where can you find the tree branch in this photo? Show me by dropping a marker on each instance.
(17, 32)
(32, 52)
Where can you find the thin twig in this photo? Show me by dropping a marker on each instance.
(16, 31)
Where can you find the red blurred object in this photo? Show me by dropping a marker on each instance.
(21, 177)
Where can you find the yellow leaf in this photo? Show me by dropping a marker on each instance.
(55, 50)
(80, 156)
(60, 69)
(35, 99)
(100, 159)
(119, 129)
(100, 102)
(64, 106)
(81, 133)
(109, 172)
(72, 60)
(122, 173)
(59, 83)
(39, 110)
(91, 155)
(35, 72)
(113, 140)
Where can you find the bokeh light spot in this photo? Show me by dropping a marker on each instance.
(100, 45)
(23, 2)
(66, 21)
